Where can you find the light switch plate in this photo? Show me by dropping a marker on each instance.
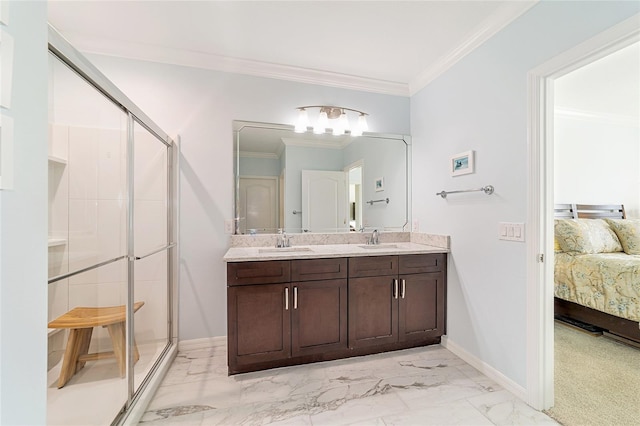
(510, 231)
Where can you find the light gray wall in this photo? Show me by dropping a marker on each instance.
(23, 227)
(250, 166)
(481, 104)
(200, 105)
(382, 158)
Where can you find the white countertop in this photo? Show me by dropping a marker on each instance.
(244, 254)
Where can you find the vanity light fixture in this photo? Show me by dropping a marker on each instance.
(331, 117)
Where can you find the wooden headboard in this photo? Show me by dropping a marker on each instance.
(589, 211)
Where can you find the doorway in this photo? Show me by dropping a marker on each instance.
(540, 292)
(354, 172)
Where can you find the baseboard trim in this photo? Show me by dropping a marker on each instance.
(485, 368)
(206, 342)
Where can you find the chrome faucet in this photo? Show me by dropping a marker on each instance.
(282, 240)
(374, 238)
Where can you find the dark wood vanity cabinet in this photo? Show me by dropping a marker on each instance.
(303, 316)
(396, 299)
(261, 328)
(289, 312)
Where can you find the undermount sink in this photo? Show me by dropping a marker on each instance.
(379, 246)
(284, 249)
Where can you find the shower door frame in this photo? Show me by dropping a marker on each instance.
(67, 54)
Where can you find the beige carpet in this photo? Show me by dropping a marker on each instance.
(597, 380)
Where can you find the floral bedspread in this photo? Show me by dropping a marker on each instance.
(608, 282)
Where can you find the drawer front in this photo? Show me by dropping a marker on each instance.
(246, 273)
(318, 269)
(420, 263)
(372, 266)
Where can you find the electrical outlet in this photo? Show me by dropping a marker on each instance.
(228, 226)
(416, 226)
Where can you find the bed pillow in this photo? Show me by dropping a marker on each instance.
(556, 245)
(586, 236)
(628, 232)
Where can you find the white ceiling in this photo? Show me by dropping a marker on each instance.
(393, 47)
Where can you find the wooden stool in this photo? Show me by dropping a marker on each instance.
(81, 321)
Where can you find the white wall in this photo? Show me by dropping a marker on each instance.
(597, 132)
(481, 104)
(23, 228)
(597, 162)
(200, 105)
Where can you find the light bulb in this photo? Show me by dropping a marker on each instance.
(344, 121)
(362, 123)
(303, 121)
(321, 125)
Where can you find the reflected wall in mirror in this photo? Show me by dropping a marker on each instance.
(304, 182)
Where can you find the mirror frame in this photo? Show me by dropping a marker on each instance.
(238, 125)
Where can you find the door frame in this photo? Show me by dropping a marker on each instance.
(539, 233)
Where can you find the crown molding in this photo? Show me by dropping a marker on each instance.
(503, 16)
(253, 154)
(168, 55)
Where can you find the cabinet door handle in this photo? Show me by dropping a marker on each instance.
(395, 289)
(286, 298)
(295, 298)
(403, 288)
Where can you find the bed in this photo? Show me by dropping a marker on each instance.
(597, 267)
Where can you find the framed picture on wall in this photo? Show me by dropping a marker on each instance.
(379, 184)
(461, 164)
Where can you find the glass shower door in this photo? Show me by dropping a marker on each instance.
(87, 251)
(151, 246)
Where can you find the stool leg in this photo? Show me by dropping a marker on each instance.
(136, 353)
(73, 350)
(85, 340)
(117, 333)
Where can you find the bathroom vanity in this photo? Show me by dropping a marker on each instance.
(322, 302)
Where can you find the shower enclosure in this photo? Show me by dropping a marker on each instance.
(112, 246)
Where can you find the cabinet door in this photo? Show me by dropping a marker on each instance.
(318, 316)
(421, 307)
(259, 323)
(373, 311)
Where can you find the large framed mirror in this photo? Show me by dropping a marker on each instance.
(320, 183)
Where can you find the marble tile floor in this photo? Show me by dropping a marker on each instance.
(420, 386)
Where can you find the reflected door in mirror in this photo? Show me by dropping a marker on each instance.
(324, 201)
(258, 204)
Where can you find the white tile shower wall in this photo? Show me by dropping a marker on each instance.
(58, 228)
(58, 182)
